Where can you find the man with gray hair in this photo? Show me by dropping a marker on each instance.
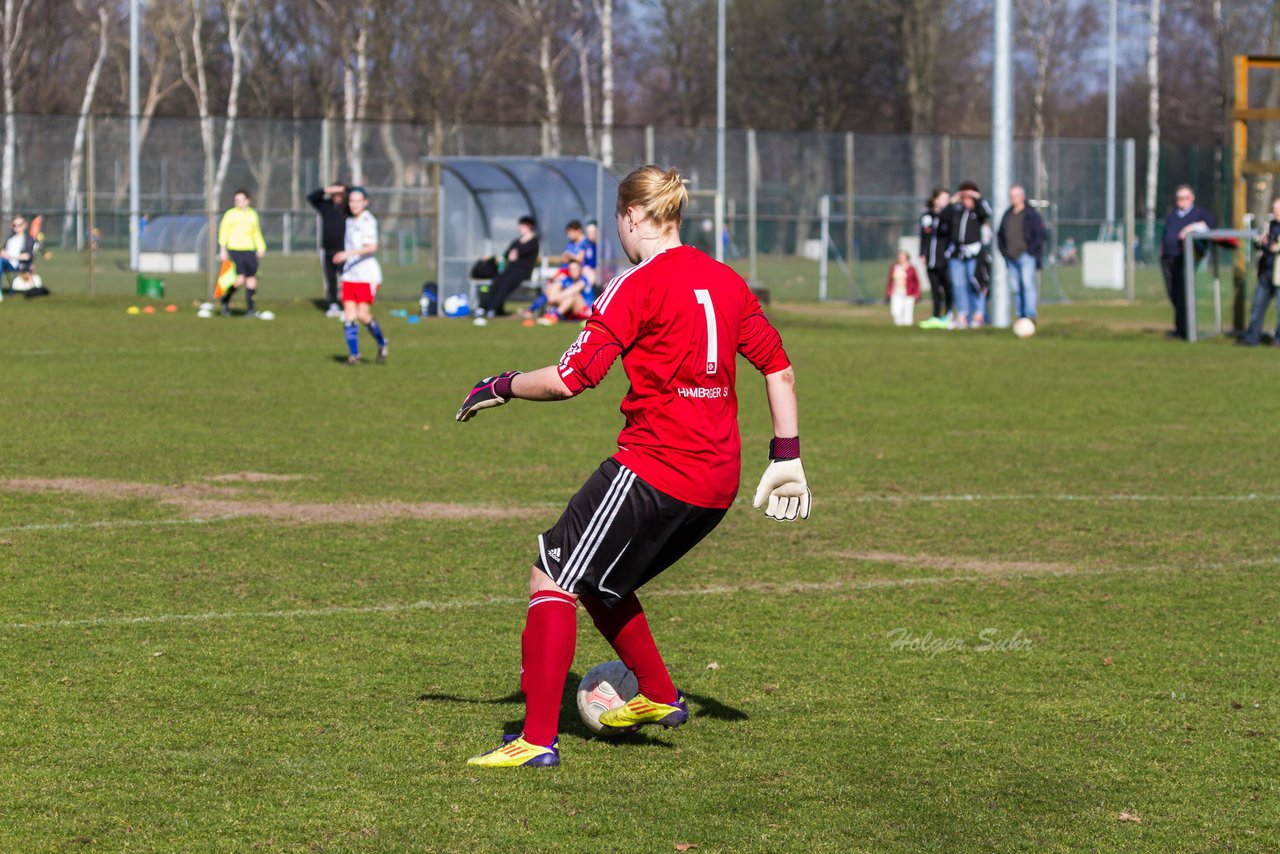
(1021, 242)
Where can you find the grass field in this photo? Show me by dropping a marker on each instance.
(1035, 606)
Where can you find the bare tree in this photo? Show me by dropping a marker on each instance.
(538, 19)
(583, 50)
(13, 21)
(191, 52)
(921, 27)
(355, 92)
(604, 12)
(1055, 33)
(90, 90)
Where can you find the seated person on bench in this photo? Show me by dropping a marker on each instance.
(569, 295)
(522, 256)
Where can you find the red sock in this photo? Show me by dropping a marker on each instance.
(550, 632)
(625, 628)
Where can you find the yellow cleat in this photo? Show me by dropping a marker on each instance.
(515, 752)
(640, 710)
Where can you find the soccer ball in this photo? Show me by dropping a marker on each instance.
(266, 315)
(457, 306)
(606, 686)
(1024, 327)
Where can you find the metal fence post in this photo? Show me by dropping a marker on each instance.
(1130, 217)
(753, 169)
(824, 210)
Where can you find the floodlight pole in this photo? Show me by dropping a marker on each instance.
(720, 96)
(135, 192)
(1111, 119)
(1001, 151)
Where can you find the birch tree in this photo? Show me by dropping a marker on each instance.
(11, 26)
(355, 92)
(1153, 127)
(604, 13)
(921, 28)
(191, 52)
(77, 144)
(538, 18)
(583, 50)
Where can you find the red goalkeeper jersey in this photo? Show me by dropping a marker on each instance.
(678, 320)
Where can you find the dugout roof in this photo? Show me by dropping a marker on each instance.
(484, 197)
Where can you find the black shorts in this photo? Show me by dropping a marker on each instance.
(618, 533)
(246, 261)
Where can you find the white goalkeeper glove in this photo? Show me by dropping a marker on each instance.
(784, 484)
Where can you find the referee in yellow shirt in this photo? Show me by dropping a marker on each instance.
(240, 242)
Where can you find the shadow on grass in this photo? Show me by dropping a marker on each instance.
(701, 706)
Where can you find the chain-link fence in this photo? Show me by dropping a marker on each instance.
(775, 182)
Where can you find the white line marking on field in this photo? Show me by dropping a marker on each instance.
(113, 523)
(931, 499)
(794, 587)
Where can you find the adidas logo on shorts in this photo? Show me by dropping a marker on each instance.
(554, 554)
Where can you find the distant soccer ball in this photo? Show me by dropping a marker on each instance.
(266, 315)
(1024, 327)
(204, 313)
(606, 686)
(206, 306)
(457, 306)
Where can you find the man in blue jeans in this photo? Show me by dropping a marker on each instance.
(1021, 241)
(1265, 289)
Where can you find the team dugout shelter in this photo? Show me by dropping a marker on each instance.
(482, 198)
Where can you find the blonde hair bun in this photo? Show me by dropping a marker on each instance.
(660, 193)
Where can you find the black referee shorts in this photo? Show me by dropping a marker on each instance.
(618, 533)
(245, 261)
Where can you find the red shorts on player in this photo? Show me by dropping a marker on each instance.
(358, 292)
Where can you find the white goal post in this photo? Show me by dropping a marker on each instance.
(1211, 236)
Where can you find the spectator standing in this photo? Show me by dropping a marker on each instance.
(240, 241)
(902, 290)
(521, 257)
(1265, 289)
(331, 204)
(1185, 217)
(1021, 242)
(933, 252)
(965, 220)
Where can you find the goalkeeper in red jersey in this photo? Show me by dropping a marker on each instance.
(678, 321)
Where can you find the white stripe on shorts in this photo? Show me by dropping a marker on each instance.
(604, 531)
(591, 523)
(603, 515)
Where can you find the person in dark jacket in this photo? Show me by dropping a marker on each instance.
(1021, 242)
(1269, 243)
(933, 252)
(1185, 217)
(966, 220)
(521, 257)
(331, 204)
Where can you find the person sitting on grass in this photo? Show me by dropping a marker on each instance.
(19, 251)
(569, 295)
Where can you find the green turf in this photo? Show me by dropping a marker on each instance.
(1099, 500)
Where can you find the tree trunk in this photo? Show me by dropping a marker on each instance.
(550, 94)
(236, 30)
(921, 23)
(584, 73)
(77, 145)
(386, 133)
(355, 95)
(15, 14)
(1153, 129)
(604, 11)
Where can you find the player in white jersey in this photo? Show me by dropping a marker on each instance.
(361, 276)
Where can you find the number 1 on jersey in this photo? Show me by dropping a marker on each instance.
(704, 299)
